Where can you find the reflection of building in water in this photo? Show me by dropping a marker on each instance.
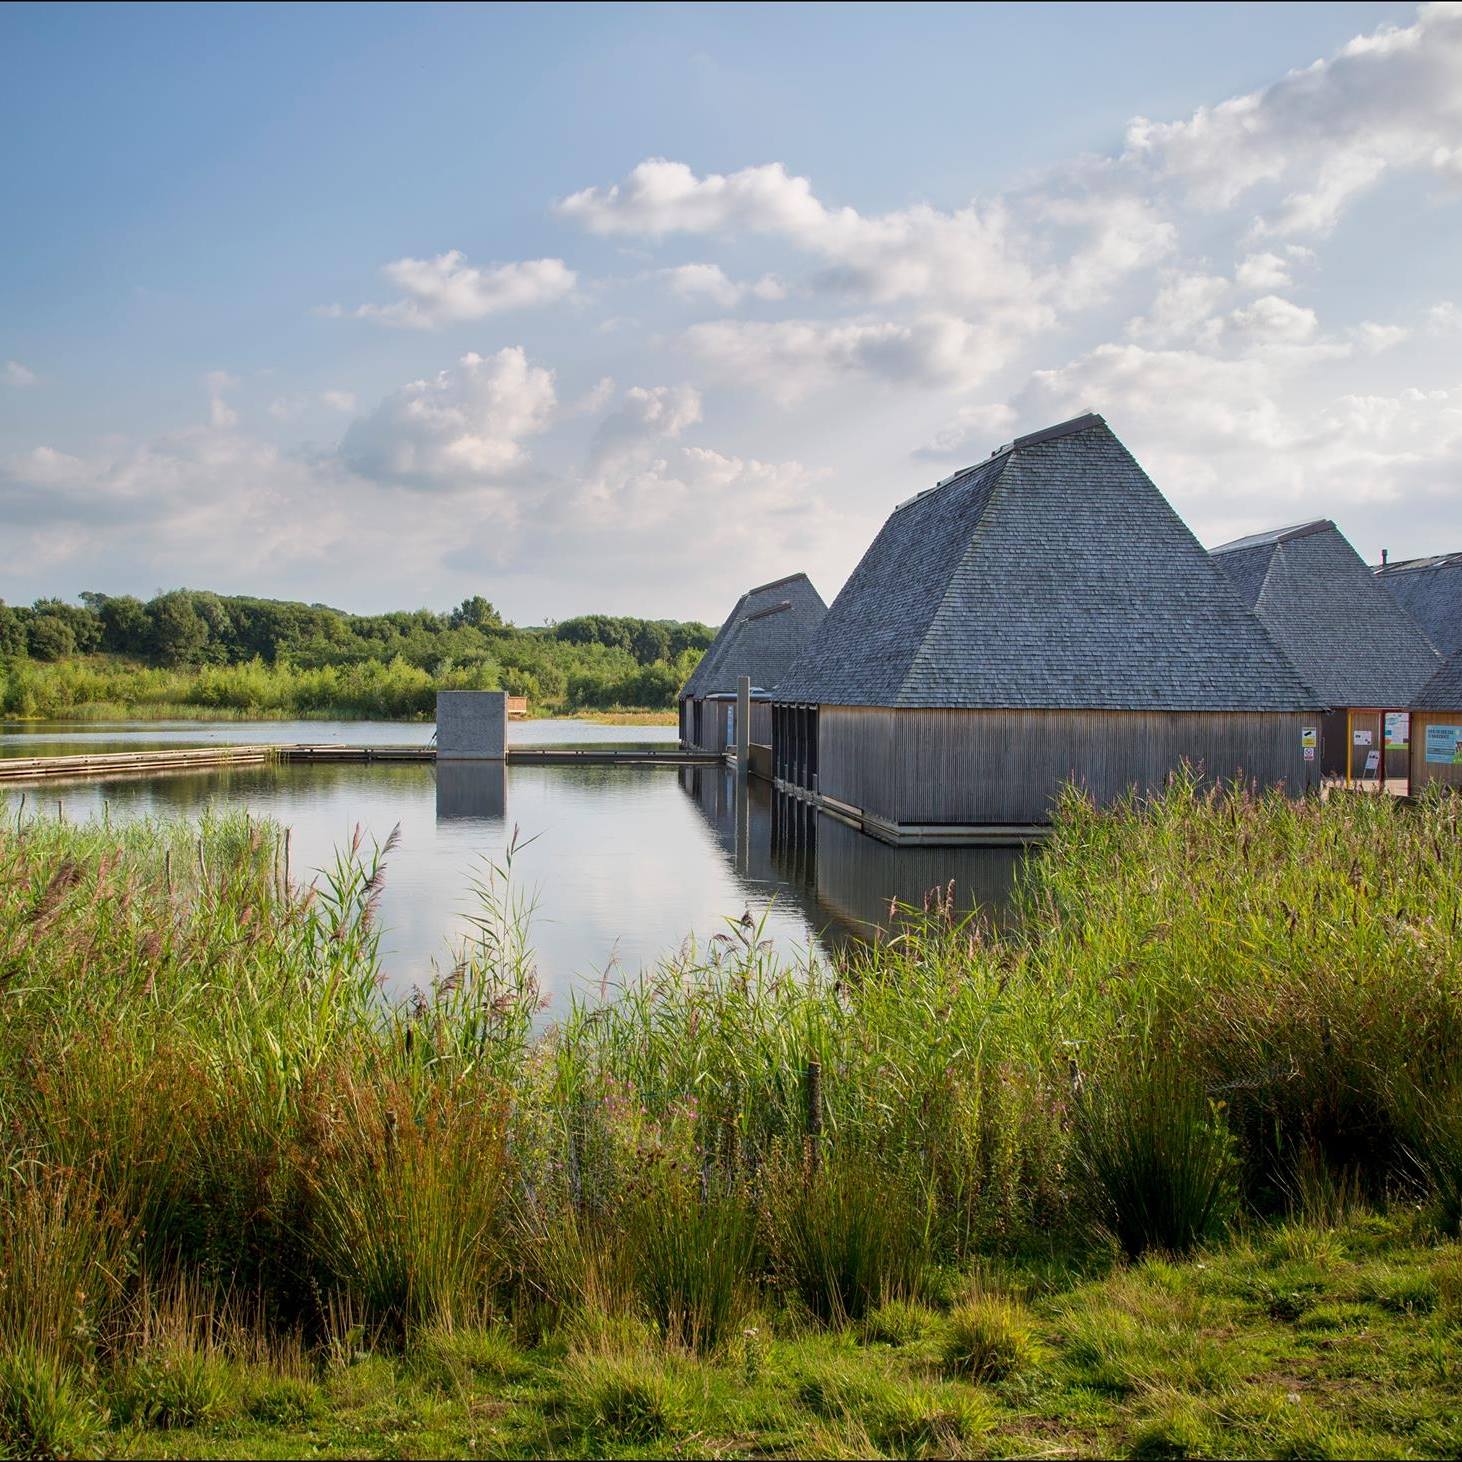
(472, 789)
(842, 880)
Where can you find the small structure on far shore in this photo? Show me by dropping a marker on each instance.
(1430, 591)
(1039, 618)
(1436, 729)
(761, 637)
(1365, 655)
(472, 725)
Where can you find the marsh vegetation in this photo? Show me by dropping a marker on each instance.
(1172, 1165)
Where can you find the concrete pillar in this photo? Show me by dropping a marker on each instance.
(743, 724)
(472, 725)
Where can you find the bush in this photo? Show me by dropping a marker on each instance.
(988, 1339)
(626, 1398)
(848, 1236)
(692, 1259)
(1156, 1156)
(177, 1385)
(44, 1411)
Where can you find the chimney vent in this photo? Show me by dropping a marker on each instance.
(1385, 554)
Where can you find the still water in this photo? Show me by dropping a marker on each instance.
(621, 864)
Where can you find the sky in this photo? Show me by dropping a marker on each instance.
(627, 307)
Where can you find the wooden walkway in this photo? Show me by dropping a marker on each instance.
(203, 758)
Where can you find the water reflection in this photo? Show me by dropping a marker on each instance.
(475, 790)
(843, 881)
(619, 864)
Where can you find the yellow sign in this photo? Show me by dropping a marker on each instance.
(1308, 737)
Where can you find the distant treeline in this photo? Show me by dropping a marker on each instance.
(192, 647)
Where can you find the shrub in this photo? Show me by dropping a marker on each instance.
(626, 1398)
(44, 1412)
(1155, 1155)
(692, 1260)
(988, 1339)
(177, 1385)
(848, 1236)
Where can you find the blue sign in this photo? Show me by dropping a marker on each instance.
(1441, 744)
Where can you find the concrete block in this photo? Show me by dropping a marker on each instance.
(472, 725)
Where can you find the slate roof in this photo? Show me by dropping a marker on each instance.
(1443, 692)
(1323, 607)
(1052, 575)
(1430, 590)
(760, 638)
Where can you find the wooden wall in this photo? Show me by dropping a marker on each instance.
(991, 767)
(761, 723)
(1422, 770)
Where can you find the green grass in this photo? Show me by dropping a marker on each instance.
(1168, 1167)
(1193, 1364)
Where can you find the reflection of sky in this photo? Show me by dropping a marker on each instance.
(624, 862)
(60, 738)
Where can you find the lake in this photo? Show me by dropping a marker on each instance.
(621, 864)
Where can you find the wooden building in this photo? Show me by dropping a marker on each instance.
(761, 637)
(1346, 636)
(1430, 591)
(1436, 729)
(1040, 618)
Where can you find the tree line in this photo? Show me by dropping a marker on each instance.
(595, 660)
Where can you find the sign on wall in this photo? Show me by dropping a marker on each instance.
(1362, 738)
(1309, 739)
(1442, 744)
(1398, 730)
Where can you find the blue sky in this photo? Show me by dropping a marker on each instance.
(624, 307)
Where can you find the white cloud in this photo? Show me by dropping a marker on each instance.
(790, 359)
(1273, 320)
(16, 374)
(1372, 338)
(1443, 318)
(710, 281)
(464, 427)
(1263, 273)
(974, 432)
(220, 413)
(646, 417)
(1184, 309)
(1321, 136)
(447, 290)
(338, 400)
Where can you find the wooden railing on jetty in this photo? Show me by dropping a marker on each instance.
(202, 758)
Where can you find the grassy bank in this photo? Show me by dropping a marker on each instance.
(100, 688)
(1173, 1168)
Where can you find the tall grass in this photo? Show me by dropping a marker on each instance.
(202, 1085)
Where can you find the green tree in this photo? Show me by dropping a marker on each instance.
(51, 637)
(179, 632)
(476, 613)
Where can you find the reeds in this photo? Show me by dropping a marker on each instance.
(201, 1084)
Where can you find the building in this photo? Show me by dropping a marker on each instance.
(1346, 635)
(1430, 590)
(761, 637)
(1042, 617)
(1436, 729)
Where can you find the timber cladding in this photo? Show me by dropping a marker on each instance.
(922, 766)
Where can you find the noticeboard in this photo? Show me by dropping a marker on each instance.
(1398, 730)
(1444, 745)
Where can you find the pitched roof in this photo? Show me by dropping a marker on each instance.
(760, 638)
(1443, 692)
(1051, 575)
(1430, 590)
(1325, 610)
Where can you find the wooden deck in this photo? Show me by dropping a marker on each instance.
(203, 758)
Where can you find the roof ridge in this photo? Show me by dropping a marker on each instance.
(1276, 536)
(775, 583)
